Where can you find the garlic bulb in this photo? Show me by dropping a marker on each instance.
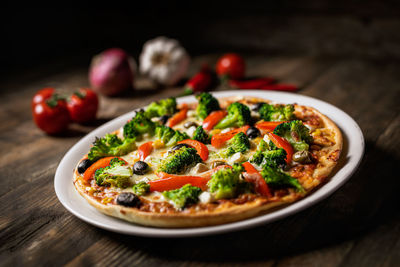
(164, 60)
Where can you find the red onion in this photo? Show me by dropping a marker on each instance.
(112, 72)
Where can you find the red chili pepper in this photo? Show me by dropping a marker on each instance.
(280, 87)
(200, 82)
(251, 84)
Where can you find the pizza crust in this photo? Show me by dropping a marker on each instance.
(332, 153)
(180, 220)
(226, 212)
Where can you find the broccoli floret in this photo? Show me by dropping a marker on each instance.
(201, 135)
(178, 136)
(225, 183)
(141, 188)
(238, 115)
(207, 104)
(296, 133)
(276, 178)
(276, 112)
(163, 107)
(274, 158)
(239, 143)
(116, 162)
(110, 145)
(179, 160)
(258, 156)
(169, 136)
(183, 196)
(237, 167)
(139, 125)
(266, 155)
(164, 133)
(116, 174)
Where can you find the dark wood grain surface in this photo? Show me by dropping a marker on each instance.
(359, 225)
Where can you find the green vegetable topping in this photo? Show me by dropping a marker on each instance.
(226, 183)
(110, 145)
(139, 125)
(116, 174)
(276, 112)
(169, 136)
(201, 135)
(164, 133)
(178, 160)
(207, 104)
(183, 196)
(267, 155)
(163, 107)
(238, 115)
(276, 178)
(141, 188)
(239, 143)
(296, 133)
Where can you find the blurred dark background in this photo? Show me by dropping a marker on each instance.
(42, 35)
(345, 52)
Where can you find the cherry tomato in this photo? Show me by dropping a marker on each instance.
(51, 116)
(83, 105)
(231, 65)
(42, 95)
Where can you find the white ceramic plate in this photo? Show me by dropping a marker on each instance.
(350, 159)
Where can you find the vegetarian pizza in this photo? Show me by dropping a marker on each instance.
(209, 162)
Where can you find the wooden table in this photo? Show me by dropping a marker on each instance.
(359, 225)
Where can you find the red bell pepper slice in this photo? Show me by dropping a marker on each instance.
(178, 117)
(253, 176)
(201, 148)
(268, 125)
(282, 143)
(213, 118)
(145, 150)
(101, 163)
(218, 140)
(171, 182)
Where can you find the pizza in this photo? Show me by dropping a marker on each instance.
(208, 162)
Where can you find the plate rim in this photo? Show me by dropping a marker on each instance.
(146, 231)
